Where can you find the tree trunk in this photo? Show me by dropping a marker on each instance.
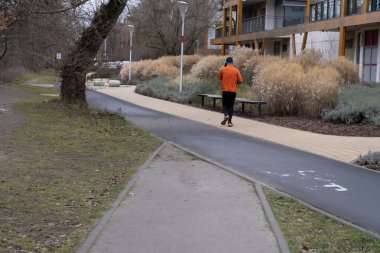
(81, 57)
(5, 47)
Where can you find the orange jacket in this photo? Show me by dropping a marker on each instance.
(230, 77)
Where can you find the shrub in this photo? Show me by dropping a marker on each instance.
(282, 88)
(321, 91)
(256, 64)
(356, 104)
(166, 66)
(167, 89)
(241, 55)
(348, 71)
(372, 158)
(309, 58)
(290, 91)
(137, 70)
(208, 67)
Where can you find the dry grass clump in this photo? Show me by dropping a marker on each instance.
(175, 61)
(242, 54)
(281, 89)
(290, 91)
(348, 71)
(166, 66)
(309, 58)
(137, 70)
(208, 67)
(256, 64)
(321, 91)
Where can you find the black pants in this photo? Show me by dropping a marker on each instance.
(228, 100)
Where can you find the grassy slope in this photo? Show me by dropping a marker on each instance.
(308, 231)
(65, 168)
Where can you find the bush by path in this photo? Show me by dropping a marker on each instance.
(356, 104)
(305, 86)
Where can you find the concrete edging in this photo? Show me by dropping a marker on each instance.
(283, 245)
(107, 216)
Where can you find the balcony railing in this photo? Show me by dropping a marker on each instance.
(255, 24)
(284, 21)
(219, 32)
(327, 9)
(374, 5)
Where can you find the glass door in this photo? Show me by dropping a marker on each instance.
(370, 55)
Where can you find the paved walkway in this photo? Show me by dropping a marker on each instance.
(182, 204)
(340, 148)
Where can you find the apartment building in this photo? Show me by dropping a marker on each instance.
(347, 28)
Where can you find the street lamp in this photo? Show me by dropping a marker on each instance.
(131, 29)
(182, 9)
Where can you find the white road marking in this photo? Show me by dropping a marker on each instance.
(303, 172)
(338, 187)
(322, 179)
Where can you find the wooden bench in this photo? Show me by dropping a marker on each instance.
(243, 101)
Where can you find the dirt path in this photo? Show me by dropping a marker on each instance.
(9, 120)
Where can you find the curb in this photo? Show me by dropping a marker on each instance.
(91, 238)
(283, 245)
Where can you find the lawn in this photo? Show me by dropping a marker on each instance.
(309, 231)
(64, 168)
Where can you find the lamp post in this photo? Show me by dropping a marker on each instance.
(131, 29)
(182, 9)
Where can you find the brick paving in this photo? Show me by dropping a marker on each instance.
(340, 148)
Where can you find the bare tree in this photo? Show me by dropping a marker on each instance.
(6, 18)
(82, 55)
(31, 39)
(158, 24)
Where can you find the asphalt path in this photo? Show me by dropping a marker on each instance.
(342, 190)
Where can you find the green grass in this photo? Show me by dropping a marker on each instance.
(308, 231)
(65, 167)
(46, 77)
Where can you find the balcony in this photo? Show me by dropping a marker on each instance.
(255, 24)
(288, 21)
(288, 15)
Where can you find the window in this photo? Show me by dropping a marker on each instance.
(374, 5)
(337, 8)
(284, 47)
(324, 9)
(318, 13)
(330, 9)
(312, 13)
(277, 48)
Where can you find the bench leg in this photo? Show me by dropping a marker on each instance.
(242, 107)
(203, 101)
(259, 107)
(214, 102)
